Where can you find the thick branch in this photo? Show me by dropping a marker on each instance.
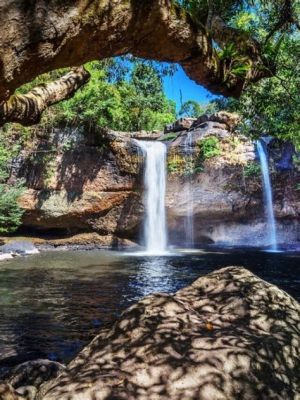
(37, 37)
(27, 109)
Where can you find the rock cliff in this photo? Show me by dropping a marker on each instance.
(79, 183)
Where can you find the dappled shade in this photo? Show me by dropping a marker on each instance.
(228, 335)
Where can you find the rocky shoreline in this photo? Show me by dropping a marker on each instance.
(11, 247)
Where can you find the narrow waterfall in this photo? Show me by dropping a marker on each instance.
(268, 195)
(155, 228)
(189, 219)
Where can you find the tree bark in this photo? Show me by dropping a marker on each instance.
(27, 109)
(40, 36)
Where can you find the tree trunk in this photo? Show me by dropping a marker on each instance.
(27, 109)
(40, 36)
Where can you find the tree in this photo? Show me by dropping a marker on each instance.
(271, 107)
(191, 109)
(124, 95)
(66, 34)
(10, 211)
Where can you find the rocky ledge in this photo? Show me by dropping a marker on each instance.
(230, 335)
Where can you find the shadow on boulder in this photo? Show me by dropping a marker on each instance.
(229, 335)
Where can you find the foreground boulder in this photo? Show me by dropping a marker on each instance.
(229, 335)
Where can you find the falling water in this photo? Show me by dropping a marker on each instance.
(189, 220)
(155, 189)
(268, 196)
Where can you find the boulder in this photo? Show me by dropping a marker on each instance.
(19, 247)
(7, 392)
(229, 335)
(230, 120)
(181, 124)
(33, 373)
(6, 256)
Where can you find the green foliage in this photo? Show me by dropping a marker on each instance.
(10, 211)
(209, 147)
(181, 166)
(271, 107)
(191, 109)
(275, 16)
(298, 186)
(252, 170)
(168, 136)
(174, 166)
(122, 94)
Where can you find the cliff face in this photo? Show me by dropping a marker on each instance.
(77, 184)
(83, 183)
(221, 178)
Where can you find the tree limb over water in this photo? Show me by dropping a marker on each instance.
(27, 109)
(43, 36)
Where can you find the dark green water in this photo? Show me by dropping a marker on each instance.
(53, 303)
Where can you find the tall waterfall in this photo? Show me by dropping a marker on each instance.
(189, 219)
(155, 228)
(268, 195)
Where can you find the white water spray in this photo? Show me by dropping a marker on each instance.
(268, 195)
(189, 219)
(155, 229)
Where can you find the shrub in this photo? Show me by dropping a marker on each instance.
(168, 136)
(209, 147)
(10, 211)
(252, 170)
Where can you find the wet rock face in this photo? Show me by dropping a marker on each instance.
(229, 335)
(217, 169)
(80, 183)
(92, 182)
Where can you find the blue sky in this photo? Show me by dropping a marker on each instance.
(190, 90)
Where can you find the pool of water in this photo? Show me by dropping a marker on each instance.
(52, 304)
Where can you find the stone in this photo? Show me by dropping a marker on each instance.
(181, 124)
(229, 335)
(6, 256)
(33, 373)
(228, 120)
(20, 247)
(7, 392)
(85, 241)
(91, 186)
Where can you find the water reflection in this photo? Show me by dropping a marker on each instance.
(52, 304)
(153, 275)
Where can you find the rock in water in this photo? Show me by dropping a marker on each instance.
(229, 335)
(21, 247)
(5, 256)
(34, 373)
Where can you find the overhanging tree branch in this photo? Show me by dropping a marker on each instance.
(27, 109)
(39, 37)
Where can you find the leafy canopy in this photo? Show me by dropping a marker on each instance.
(123, 94)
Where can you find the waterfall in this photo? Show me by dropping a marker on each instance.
(155, 229)
(189, 219)
(268, 196)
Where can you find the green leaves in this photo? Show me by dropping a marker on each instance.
(271, 107)
(10, 211)
(209, 147)
(118, 99)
